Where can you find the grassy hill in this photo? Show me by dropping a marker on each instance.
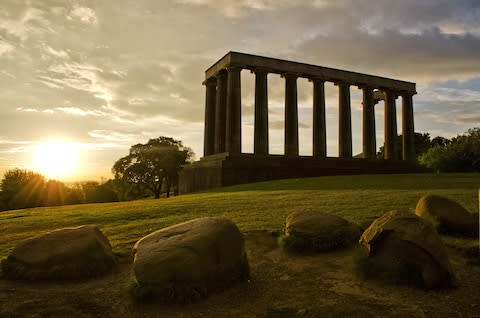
(253, 206)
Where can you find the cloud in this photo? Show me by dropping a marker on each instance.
(55, 53)
(28, 22)
(459, 17)
(240, 8)
(80, 112)
(14, 142)
(424, 57)
(453, 117)
(7, 74)
(27, 110)
(70, 110)
(444, 105)
(5, 47)
(14, 146)
(112, 136)
(82, 77)
(83, 14)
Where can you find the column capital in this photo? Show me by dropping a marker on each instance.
(365, 86)
(340, 83)
(406, 93)
(290, 75)
(378, 96)
(221, 74)
(210, 81)
(387, 91)
(317, 79)
(260, 70)
(233, 68)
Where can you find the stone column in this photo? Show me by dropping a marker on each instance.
(220, 112)
(369, 141)
(344, 121)
(319, 122)
(233, 143)
(209, 133)
(291, 115)
(408, 131)
(390, 125)
(260, 143)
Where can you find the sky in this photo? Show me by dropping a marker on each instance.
(101, 76)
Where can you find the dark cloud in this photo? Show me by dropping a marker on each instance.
(471, 84)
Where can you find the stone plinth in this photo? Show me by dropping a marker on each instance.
(229, 169)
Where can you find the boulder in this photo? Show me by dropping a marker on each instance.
(68, 253)
(316, 231)
(446, 215)
(404, 248)
(188, 261)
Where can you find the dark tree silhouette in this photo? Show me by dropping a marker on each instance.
(152, 164)
(422, 144)
(460, 154)
(95, 192)
(22, 189)
(440, 141)
(55, 193)
(27, 189)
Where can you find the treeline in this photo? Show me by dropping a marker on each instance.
(149, 169)
(28, 189)
(458, 154)
(20, 189)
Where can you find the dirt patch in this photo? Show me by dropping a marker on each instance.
(282, 285)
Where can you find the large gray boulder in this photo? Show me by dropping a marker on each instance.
(316, 231)
(446, 215)
(404, 248)
(188, 261)
(68, 253)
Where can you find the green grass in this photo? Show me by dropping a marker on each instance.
(265, 205)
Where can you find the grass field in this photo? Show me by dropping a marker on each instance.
(264, 205)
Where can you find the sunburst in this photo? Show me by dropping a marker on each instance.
(57, 159)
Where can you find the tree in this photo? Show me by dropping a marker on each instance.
(22, 189)
(421, 140)
(55, 193)
(94, 192)
(440, 141)
(152, 164)
(126, 191)
(75, 194)
(460, 154)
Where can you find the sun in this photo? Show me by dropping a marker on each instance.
(56, 159)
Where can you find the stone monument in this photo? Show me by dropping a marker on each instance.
(224, 163)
